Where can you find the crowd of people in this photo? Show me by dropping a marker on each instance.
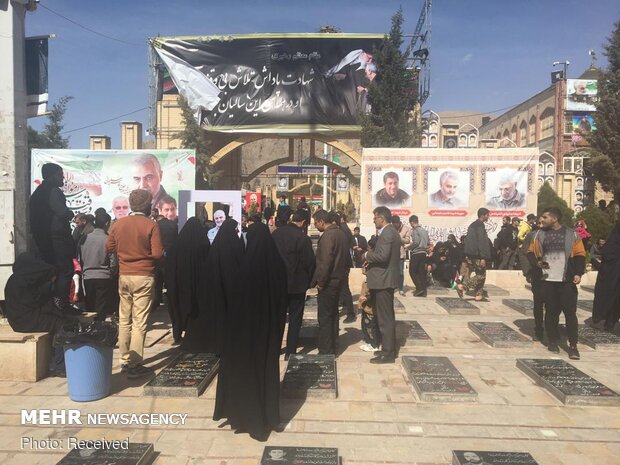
(125, 264)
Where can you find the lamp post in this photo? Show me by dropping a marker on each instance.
(565, 64)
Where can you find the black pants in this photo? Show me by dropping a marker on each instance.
(558, 298)
(346, 299)
(384, 312)
(328, 319)
(101, 297)
(296, 303)
(417, 271)
(539, 305)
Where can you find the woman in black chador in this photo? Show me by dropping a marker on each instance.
(192, 273)
(217, 290)
(607, 289)
(248, 387)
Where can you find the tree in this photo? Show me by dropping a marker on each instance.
(392, 95)
(548, 198)
(604, 164)
(51, 136)
(206, 143)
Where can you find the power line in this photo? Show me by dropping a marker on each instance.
(105, 121)
(89, 29)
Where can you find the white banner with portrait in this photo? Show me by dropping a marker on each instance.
(446, 187)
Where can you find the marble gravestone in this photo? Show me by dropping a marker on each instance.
(585, 305)
(310, 376)
(300, 456)
(309, 329)
(498, 334)
(187, 376)
(525, 306)
(598, 339)
(570, 385)
(411, 333)
(456, 306)
(471, 457)
(136, 454)
(436, 379)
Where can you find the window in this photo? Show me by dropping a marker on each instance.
(523, 134)
(546, 124)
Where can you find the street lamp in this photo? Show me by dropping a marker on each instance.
(565, 64)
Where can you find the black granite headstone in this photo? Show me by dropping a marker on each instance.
(300, 456)
(311, 376)
(570, 385)
(525, 306)
(493, 291)
(456, 306)
(585, 305)
(309, 329)
(136, 454)
(410, 333)
(497, 334)
(437, 379)
(587, 288)
(598, 338)
(187, 376)
(438, 290)
(398, 306)
(471, 457)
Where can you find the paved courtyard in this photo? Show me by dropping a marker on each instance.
(377, 417)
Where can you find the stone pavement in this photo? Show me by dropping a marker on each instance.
(376, 418)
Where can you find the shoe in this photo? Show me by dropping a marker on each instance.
(538, 336)
(138, 371)
(349, 319)
(57, 374)
(124, 367)
(553, 347)
(573, 353)
(380, 359)
(368, 348)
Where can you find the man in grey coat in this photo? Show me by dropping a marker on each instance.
(477, 253)
(383, 277)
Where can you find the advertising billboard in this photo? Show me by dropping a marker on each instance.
(300, 83)
(104, 178)
(581, 94)
(445, 188)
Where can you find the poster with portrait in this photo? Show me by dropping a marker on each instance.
(282, 183)
(252, 202)
(342, 183)
(505, 189)
(391, 187)
(448, 188)
(583, 123)
(104, 178)
(581, 94)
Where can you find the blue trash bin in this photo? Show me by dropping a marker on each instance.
(89, 371)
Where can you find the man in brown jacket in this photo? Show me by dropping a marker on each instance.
(136, 241)
(332, 256)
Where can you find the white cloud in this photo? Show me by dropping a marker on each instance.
(467, 57)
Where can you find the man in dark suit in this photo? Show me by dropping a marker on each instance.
(359, 245)
(383, 277)
(295, 247)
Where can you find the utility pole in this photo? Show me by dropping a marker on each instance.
(14, 163)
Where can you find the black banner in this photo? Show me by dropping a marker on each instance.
(36, 75)
(296, 83)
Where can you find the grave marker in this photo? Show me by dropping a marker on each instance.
(598, 338)
(187, 376)
(411, 333)
(136, 454)
(300, 456)
(471, 457)
(585, 305)
(525, 306)
(456, 306)
(570, 385)
(437, 379)
(498, 334)
(309, 329)
(311, 376)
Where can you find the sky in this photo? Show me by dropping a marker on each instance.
(486, 55)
